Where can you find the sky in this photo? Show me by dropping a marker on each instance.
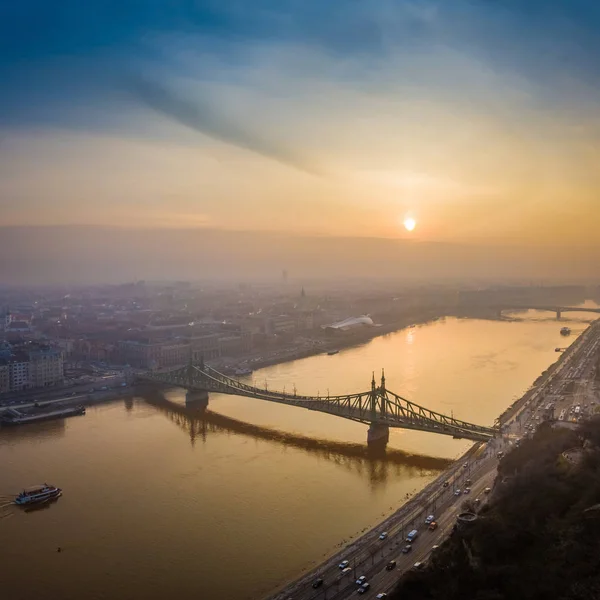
(479, 119)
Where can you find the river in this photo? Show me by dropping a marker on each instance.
(159, 504)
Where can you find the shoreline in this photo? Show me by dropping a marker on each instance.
(358, 338)
(343, 342)
(412, 504)
(85, 399)
(310, 571)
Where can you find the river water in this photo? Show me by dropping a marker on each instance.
(159, 502)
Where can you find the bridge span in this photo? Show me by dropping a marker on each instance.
(548, 308)
(377, 407)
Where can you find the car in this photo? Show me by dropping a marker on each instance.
(433, 526)
(465, 465)
(429, 519)
(446, 484)
(362, 579)
(318, 583)
(346, 570)
(457, 492)
(344, 564)
(467, 490)
(364, 588)
(381, 596)
(418, 566)
(468, 482)
(435, 547)
(406, 549)
(477, 501)
(391, 565)
(383, 535)
(487, 490)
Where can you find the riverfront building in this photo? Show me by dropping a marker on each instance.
(30, 365)
(46, 367)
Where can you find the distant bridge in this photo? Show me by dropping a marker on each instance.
(555, 309)
(378, 407)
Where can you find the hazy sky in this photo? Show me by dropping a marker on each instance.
(478, 118)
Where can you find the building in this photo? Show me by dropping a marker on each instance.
(19, 372)
(151, 354)
(280, 324)
(174, 353)
(4, 376)
(205, 346)
(46, 367)
(234, 345)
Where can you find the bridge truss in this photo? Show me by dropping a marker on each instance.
(376, 406)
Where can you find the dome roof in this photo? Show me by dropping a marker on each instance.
(352, 322)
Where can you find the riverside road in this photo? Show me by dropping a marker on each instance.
(369, 555)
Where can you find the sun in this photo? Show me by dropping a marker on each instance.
(409, 223)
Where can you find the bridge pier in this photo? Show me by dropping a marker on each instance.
(558, 315)
(196, 398)
(378, 435)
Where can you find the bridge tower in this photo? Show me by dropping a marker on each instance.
(379, 433)
(194, 397)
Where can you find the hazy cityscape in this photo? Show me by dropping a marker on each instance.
(299, 300)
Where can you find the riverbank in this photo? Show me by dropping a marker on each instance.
(87, 399)
(345, 340)
(418, 503)
(538, 385)
(413, 509)
(338, 341)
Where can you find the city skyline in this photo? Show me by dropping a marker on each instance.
(478, 122)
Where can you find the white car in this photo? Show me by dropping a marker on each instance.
(364, 588)
(430, 519)
(383, 535)
(344, 564)
(362, 579)
(457, 492)
(346, 571)
(381, 596)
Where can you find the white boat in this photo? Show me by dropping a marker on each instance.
(242, 372)
(37, 494)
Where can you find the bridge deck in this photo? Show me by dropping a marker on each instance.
(375, 406)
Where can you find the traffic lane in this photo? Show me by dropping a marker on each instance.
(362, 559)
(405, 514)
(397, 526)
(377, 554)
(372, 558)
(384, 580)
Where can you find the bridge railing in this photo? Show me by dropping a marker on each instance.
(219, 377)
(377, 404)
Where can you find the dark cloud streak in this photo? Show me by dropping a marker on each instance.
(200, 116)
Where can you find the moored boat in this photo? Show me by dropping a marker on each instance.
(14, 417)
(37, 494)
(242, 372)
(332, 352)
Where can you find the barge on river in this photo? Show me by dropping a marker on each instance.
(15, 417)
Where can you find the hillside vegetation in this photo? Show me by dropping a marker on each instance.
(537, 537)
